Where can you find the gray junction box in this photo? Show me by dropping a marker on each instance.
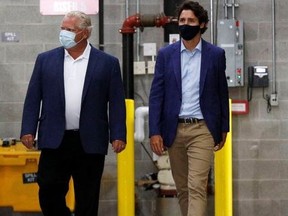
(230, 37)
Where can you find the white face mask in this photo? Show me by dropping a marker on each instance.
(67, 39)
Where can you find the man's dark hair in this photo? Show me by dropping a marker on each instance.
(197, 9)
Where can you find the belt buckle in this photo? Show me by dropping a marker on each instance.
(188, 120)
(191, 120)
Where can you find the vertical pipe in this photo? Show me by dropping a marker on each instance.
(101, 24)
(273, 49)
(128, 70)
(138, 33)
(212, 21)
(127, 8)
(223, 177)
(225, 9)
(216, 22)
(125, 168)
(233, 9)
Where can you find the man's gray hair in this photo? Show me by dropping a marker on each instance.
(84, 19)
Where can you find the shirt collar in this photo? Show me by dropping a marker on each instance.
(85, 54)
(198, 46)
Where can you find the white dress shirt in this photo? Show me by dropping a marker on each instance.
(190, 74)
(74, 76)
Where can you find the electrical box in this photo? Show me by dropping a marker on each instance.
(230, 37)
(149, 49)
(139, 68)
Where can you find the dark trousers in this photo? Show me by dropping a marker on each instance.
(57, 166)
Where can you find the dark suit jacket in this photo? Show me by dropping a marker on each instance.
(102, 86)
(166, 92)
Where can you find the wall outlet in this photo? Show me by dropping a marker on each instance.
(274, 100)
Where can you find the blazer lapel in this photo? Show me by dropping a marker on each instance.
(205, 56)
(59, 64)
(176, 59)
(90, 68)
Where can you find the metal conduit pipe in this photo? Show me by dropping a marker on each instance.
(274, 88)
(225, 9)
(126, 8)
(212, 21)
(101, 24)
(231, 5)
(138, 34)
(233, 9)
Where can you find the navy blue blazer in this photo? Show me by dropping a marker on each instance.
(103, 88)
(166, 92)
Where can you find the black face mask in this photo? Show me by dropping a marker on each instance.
(188, 32)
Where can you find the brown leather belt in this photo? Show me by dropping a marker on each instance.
(189, 120)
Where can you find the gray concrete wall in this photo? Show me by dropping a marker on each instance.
(260, 139)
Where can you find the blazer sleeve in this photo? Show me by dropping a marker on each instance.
(117, 107)
(156, 97)
(224, 93)
(32, 101)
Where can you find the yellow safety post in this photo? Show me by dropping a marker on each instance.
(125, 168)
(223, 177)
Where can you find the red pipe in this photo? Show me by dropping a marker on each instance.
(131, 23)
(163, 20)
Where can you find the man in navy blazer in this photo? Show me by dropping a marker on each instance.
(189, 107)
(76, 101)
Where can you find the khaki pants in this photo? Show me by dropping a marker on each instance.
(191, 157)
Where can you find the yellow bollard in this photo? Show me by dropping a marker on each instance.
(125, 168)
(223, 177)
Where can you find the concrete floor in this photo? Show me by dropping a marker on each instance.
(170, 207)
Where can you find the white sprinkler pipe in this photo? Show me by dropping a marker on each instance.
(139, 134)
(140, 114)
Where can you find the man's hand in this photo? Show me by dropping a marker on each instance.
(156, 143)
(221, 144)
(118, 146)
(28, 140)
